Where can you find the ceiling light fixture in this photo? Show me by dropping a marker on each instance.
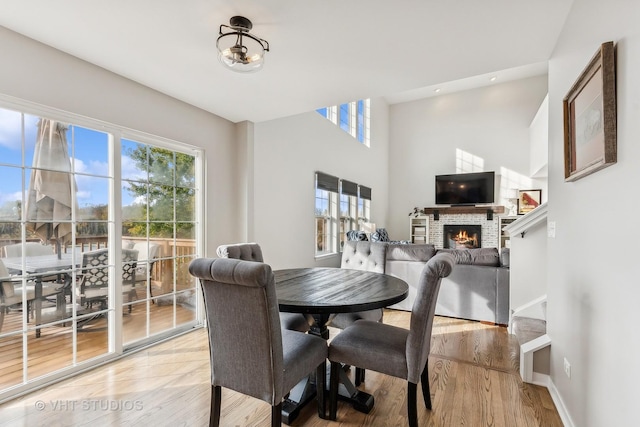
(238, 49)
(493, 79)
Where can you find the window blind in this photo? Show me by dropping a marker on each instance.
(326, 182)
(349, 188)
(365, 192)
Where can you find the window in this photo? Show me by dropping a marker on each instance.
(92, 212)
(352, 117)
(326, 213)
(340, 206)
(364, 204)
(159, 220)
(348, 208)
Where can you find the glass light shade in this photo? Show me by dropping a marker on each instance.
(240, 54)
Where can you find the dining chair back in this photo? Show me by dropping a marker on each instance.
(249, 351)
(253, 252)
(363, 256)
(392, 350)
(242, 251)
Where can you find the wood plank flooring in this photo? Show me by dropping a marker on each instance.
(473, 370)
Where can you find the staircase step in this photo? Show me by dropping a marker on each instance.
(527, 328)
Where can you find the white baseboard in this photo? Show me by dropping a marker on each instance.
(557, 400)
(541, 379)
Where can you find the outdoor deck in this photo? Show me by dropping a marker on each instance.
(54, 349)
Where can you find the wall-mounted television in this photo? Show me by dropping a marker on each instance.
(465, 188)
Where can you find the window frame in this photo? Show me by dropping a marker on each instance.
(115, 134)
(352, 112)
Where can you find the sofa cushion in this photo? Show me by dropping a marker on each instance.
(380, 235)
(480, 256)
(505, 257)
(356, 235)
(403, 252)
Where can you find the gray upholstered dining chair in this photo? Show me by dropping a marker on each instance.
(253, 252)
(250, 352)
(363, 256)
(392, 350)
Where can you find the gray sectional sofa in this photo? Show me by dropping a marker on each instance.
(476, 289)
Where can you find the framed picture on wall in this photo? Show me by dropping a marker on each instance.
(528, 200)
(590, 117)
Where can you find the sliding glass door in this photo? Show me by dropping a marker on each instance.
(96, 234)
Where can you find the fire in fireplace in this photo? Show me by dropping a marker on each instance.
(462, 236)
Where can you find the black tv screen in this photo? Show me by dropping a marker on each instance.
(465, 188)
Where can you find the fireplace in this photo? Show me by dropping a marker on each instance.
(456, 236)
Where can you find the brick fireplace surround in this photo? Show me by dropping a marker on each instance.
(465, 215)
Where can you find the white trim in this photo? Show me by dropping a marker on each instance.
(523, 224)
(560, 406)
(534, 302)
(541, 379)
(526, 356)
(529, 304)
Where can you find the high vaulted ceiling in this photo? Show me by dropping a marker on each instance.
(322, 52)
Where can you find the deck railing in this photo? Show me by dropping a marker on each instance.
(170, 252)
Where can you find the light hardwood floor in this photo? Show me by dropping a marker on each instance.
(473, 370)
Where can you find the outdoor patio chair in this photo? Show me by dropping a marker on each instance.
(30, 249)
(94, 281)
(147, 257)
(11, 291)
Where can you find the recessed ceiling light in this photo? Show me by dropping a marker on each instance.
(436, 90)
(493, 78)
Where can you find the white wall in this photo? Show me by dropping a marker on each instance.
(539, 141)
(528, 272)
(37, 73)
(491, 122)
(594, 289)
(287, 153)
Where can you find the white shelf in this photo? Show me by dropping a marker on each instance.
(419, 229)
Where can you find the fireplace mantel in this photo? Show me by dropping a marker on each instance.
(452, 210)
(488, 216)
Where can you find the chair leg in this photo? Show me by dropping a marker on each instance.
(321, 388)
(359, 376)
(276, 415)
(424, 379)
(216, 402)
(412, 406)
(333, 390)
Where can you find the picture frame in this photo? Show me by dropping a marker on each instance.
(528, 200)
(590, 117)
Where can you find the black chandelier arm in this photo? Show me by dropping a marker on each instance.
(262, 42)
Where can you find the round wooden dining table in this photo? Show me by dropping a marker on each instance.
(320, 293)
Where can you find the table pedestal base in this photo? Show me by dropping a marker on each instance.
(305, 391)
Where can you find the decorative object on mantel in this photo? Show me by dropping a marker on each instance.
(417, 212)
(590, 117)
(528, 200)
(511, 197)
